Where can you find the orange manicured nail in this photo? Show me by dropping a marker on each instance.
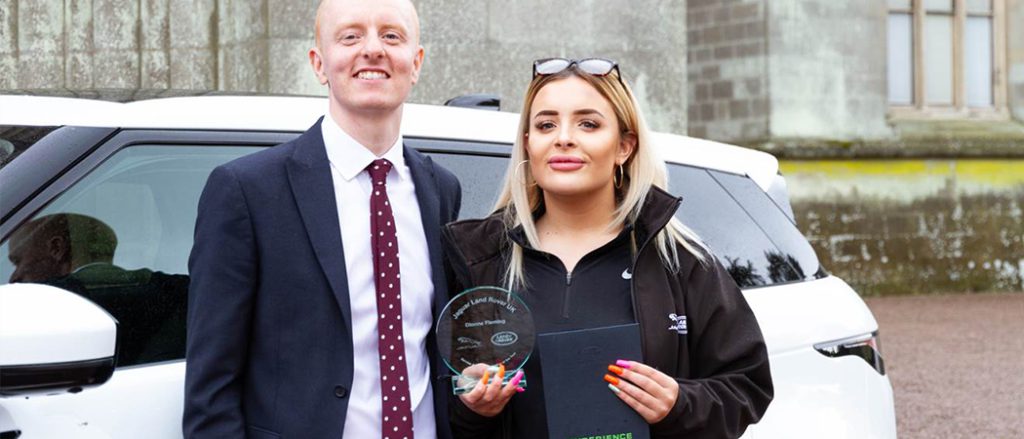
(484, 379)
(615, 369)
(611, 379)
(501, 371)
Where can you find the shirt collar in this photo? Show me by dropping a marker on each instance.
(350, 157)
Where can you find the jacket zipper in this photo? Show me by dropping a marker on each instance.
(632, 299)
(568, 293)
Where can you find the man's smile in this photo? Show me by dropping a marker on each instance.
(372, 74)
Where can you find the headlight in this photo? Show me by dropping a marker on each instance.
(864, 346)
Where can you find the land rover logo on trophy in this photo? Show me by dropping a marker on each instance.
(504, 338)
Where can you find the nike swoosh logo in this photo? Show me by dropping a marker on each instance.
(626, 274)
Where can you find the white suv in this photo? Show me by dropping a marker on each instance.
(122, 180)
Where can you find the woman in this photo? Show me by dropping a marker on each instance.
(584, 198)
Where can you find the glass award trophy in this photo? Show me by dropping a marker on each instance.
(482, 327)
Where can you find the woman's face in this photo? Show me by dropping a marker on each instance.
(574, 142)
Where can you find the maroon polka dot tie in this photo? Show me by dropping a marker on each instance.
(394, 384)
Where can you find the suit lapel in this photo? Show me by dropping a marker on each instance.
(428, 196)
(309, 173)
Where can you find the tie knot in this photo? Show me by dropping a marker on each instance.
(379, 171)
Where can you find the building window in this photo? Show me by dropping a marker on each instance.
(978, 39)
(944, 58)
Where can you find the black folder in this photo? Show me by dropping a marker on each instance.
(577, 400)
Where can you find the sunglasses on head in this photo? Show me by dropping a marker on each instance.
(590, 66)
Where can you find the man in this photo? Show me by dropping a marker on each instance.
(76, 252)
(311, 298)
(56, 245)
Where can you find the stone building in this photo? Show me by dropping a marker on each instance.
(861, 73)
(898, 122)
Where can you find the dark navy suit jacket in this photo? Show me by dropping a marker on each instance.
(269, 350)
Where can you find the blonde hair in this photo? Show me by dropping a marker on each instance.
(520, 196)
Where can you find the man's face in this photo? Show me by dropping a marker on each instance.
(368, 53)
(37, 259)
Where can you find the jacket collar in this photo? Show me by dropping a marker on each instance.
(657, 211)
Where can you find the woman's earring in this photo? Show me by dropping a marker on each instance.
(620, 175)
(522, 179)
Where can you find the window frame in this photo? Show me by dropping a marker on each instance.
(753, 216)
(66, 169)
(921, 110)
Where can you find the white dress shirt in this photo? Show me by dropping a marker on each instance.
(352, 187)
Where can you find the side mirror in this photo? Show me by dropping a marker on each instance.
(52, 340)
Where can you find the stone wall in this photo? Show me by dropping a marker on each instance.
(236, 45)
(488, 46)
(914, 226)
(727, 69)
(827, 69)
(8, 45)
(473, 46)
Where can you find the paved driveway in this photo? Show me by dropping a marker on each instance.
(956, 363)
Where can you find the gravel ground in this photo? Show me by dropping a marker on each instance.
(956, 363)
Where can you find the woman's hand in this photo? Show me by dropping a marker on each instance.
(488, 397)
(648, 391)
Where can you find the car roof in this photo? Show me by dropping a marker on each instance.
(290, 113)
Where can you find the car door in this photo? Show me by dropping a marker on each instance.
(121, 220)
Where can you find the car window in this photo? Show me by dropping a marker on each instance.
(751, 236)
(480, 177)
(121, 237)
(800, 260)
(15, 140)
